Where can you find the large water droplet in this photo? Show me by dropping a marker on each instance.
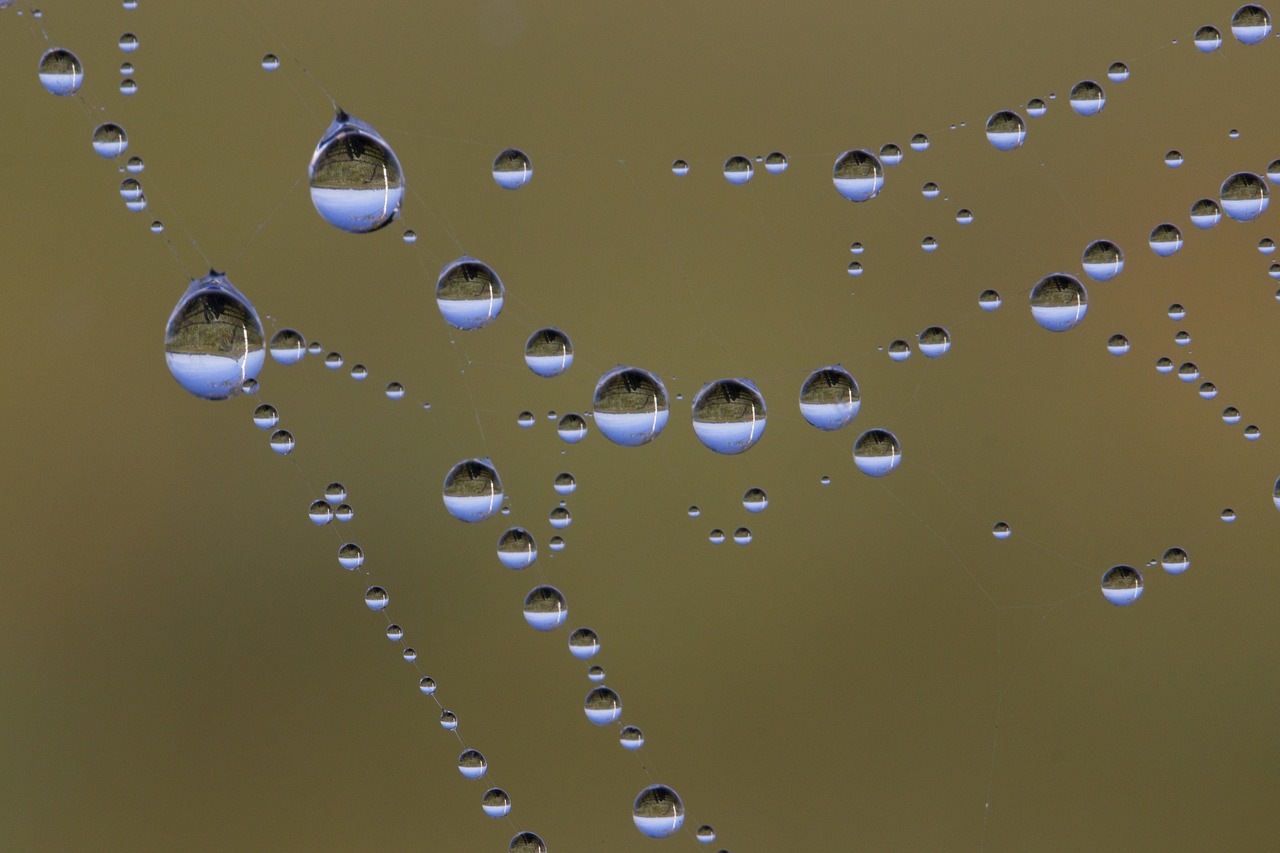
(213, 342)
(877, 452)
(830, 398)
(1165, 239)
(472, 764)
(109, 140)
(60, 71)
(858, 175)
(1122, 585)
(738, 170)
(496, 803)
(658, 811)
(1102, 260)
(1006, 130)
(1244, 196)
(545, 608)
(729, 415)
(356, 181)
(1059, 302)
(602, 706)
(512, 169)
(472, 490)
(517, 548)
(1251, 24)
(469, 293)
(1087, 98)
(548, 352)
(630, 406)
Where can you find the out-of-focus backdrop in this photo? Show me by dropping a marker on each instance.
(184, 664)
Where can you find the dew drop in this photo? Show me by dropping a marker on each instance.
(512, 169)
(729, 415)
(213, 340)
(356, 181)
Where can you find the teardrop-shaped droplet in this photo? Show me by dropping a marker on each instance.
(356, 181)
(213, 341)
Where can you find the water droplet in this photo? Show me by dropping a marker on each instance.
(1205, 213)
(409, 655)
(130, 5)
(356, 181)
(128, 42)
(755, 500)
(448, 720)
(1250, 24)
(899, 350)
(560, 518)
(1177, 312)
(109, 140)
(602, 706)
(61, 72)
(1173, 158)
(1102, 260)
(1188, 372)
(1175, 561)
(333, 360)
(919, 142)
(471, 764)
(855, 268)
(658, 811)
(1164, 366)
(1087, 98)
(890, 154)
(1267, 246)
(1118, 72)
(630, 406)
(742, 536)
(525, 419)
(856, 248)
(775, 163)
(335, 493)
(496, 803)
(631, 738)
(1059, 302)
(1244, 196)
(512, 169)
(694, 512)
(282, 442)
(934, 342)
(548, 352)
(738, 170)
(359, 372)
(128, 86)
(830, 398)
(1252, 432)
(716, 536)
(595, 674)
(320, 513)
(1036, 107)
(469, 293)
(877, 452)
(213, 340)
(265, 416)
(545, 608)
(472, 490)
(350, 556)
(989, 300)
(584, 644)
(1001, 530)
(572, 429)
(858, 175)
(376, 597)
(1207, 39)
(964, 216)
(1228, 515)
(729, 415)
(930, 190)
(929, 244)
(1118, 345)
(1122, 585)
(1208, 390)
(134, 165)
(1006, 130)
(527, 842)
(679, 168)
(564, 483)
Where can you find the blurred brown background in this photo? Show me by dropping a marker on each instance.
(184, 665)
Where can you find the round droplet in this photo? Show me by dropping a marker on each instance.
(527, 842)
(128, 86)
(1006, 130)
(929, 244)
(109, 140)
(526, 420)
(1102, 260)
(989, 300)
(61, 72)
(1117, 345)
(471, 764)
(830, 398)
(1182, 338)
(630, 406)
(134, 165)
(356, 181)
(694, 512)
(890, 154)
(288, 347)
(130, 189)
(350, 556)
(899, 350)
(1059, 302)
(1250, 24)
(517, 548)
(472, 490)
(548, 352)
(1252, 432)
(1122, 585)
(1205, 213)
(742, 536)
(564, 483)
(512, 169)
(858, 175)
(333, 360)
(496, 803)
(320, 513)
(729, 415)
(930, 190)
(395, 633)
(395, 391)
(877, 452)
(344, 513)
(584, 644)
(632, 738)
(376, 597)
(602, 706)
(1244, 196)
(1188, 372)
(934, 342)
(448, 720)
(1207, 39)
(1208, 390)
(335, 493)
(1087, 98)
(126, 68)
(919, 142)
(1164, 366)
(1036, 107)
(855, 268)
(1177, 312)
(755, 500)
(716, 536)
(359, 372)
(572, 429)
(545, 608)
(469, 294)
(265, 416)
(213, 341)
(1118, 72)
(595, 674)
(128, 42)
(856, 248)
(1228, 515)
(270, 62)
(409, 655)
(1001, 530)
(560, 518)
(1173, 158)
(738, 170)
(679, 168)
(1175, 561)
(658, 811)
(964, 216)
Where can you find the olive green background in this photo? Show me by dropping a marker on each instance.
(184, 665)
